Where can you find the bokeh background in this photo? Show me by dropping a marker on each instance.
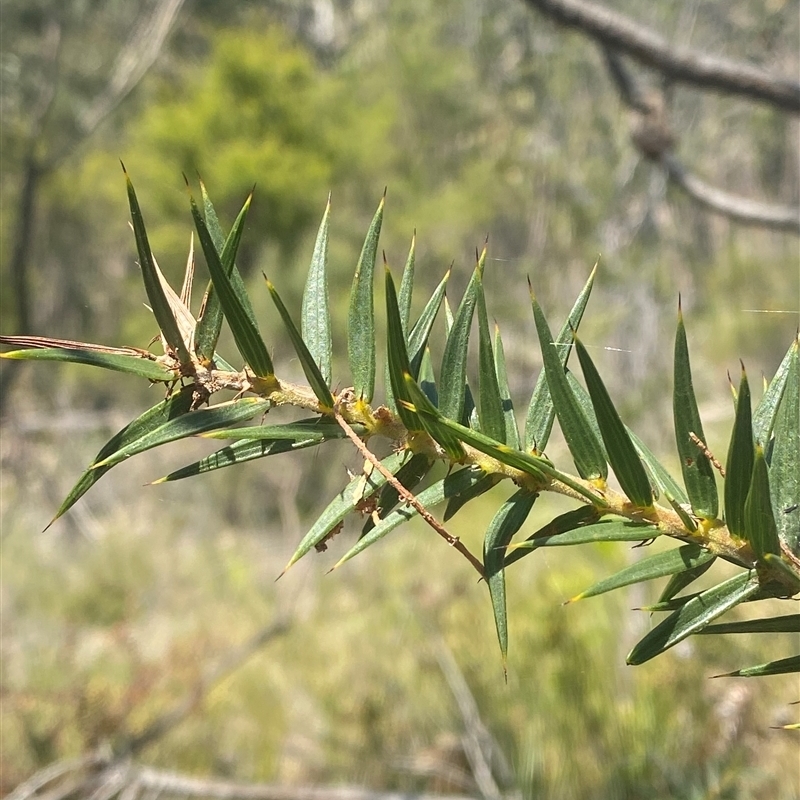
(481, 117)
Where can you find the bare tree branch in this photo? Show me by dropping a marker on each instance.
(742, 209)
(687, 66)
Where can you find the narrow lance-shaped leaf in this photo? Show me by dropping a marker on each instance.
(783, 666)
(788, 623)
(784, 474)
(767, 408)
(310, 368)
(427, 380)
(407, 286)
(209, 323)
(316, 317)
(152, 419)
(321, 428)
(485, 484)
(512, 433)
(698, 474)
(418, 338)
(361, 319)
(240, 453)
(245, 331)
(206, 419)
(360, 488)
(449, 486)
(656, 566)
(505, 523)
(453, 376)
(541, 412)
(759, 525)
(138, 365)
(663, 481)
(490, 406)
(155, 292)
(695, 615)
(680, 580)
(397, 356)
(586, 451)
(739, 464)
(622, 454)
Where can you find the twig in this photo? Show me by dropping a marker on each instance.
(407, 496)
(701, 446)
(721, 74)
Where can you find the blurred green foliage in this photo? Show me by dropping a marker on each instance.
(480, 118)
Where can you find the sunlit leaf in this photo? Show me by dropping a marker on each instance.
(239, 453)
(420, 332)
(429, 418)
(662, 480)
(361, 319)
(407, 286)
(206, 419)
(209, 323)
(784, 473)
(397, 356)
(622, 454)
(541, 412)
(490, 407)
(138, 365)
(316, 316)
(698, 474)
(155, 291)
(152, 419)
(453, 375)
(767, 408)
(759, 526)
(647, 569)
(680, 580)
(454, 483)
(586, 451)
(695, 615)
(310, 367)
(505, 523)
(321, 428)
(788, 623)
(739, 464)
(360, 488)
(782, 666)
(512, 433)
(244, 329)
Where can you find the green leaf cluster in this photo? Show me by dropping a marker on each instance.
(621, 491)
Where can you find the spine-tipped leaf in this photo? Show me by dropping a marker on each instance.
(622, 454)
(206, 419)
(490, 405)
(316, 316)
(656, 566)
(453, 376)
(245, 331)
(152, 283)
(698, 474)
(407, 285)
(767, 408)
(586, 450)
(512, 432)
(695, 615)
(209, 323)
(541, 412)
(784, 474)
(739, 464)
(759, 525)
(310, 367)
(361, 319)
(505, 523)
(783, 666)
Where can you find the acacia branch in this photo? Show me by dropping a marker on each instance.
(615, 30)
